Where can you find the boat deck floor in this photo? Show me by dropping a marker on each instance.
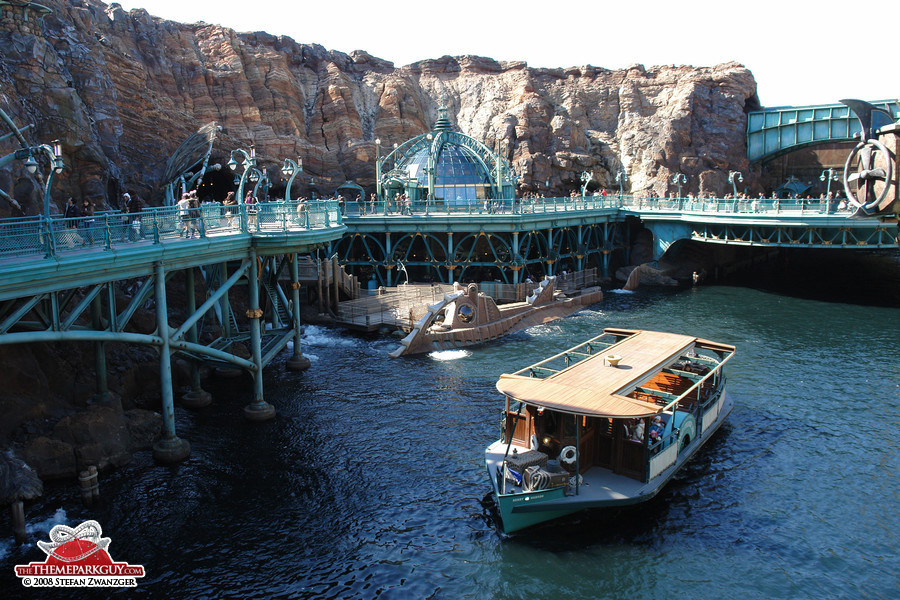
(598, 485)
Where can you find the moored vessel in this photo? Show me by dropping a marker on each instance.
(468, 316)
(606, 423)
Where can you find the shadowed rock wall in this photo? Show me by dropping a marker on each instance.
(122, 90)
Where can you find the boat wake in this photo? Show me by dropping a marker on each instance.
(449, 354)
(323, 336)
(7, 546)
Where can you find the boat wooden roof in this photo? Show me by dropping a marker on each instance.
(592, 387)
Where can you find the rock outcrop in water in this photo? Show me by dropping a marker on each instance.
(121, 90)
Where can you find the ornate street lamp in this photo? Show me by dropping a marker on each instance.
(378, 168)
(54, 154)
(290, 170)
(585, 180)
(732, 176)
(679, 179)
(621, 178)
(829, 175)
(249, 164)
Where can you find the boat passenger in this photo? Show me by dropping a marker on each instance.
(637, 432)
(657, 429)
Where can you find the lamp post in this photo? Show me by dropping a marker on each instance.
(829, 175)
(260, 179)
(585, 180)
(621, 178)
(679, 179)
(731, 179)
(249, 164)
(54, 153)
(378, 168)
(290, 170)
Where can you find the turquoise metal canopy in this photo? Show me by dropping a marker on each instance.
(447, 168)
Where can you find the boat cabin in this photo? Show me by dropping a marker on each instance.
(616, 402)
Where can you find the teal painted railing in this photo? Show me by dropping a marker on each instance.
(31, 236)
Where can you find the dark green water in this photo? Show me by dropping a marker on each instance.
(370, 481)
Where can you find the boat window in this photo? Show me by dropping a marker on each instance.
(569, 427)
(465, 313)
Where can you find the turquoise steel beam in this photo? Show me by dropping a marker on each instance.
(170, 448)
(258, 409)
(297, 362)
(197, 397)
(102, 386)
(196, 315)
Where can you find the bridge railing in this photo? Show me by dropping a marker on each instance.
(31, 236)
(505, 206)
(732, 206)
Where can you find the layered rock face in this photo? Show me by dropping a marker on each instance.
(122, 90)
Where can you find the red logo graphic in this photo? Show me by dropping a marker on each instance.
(78, 558)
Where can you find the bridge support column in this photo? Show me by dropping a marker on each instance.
(259, 409)
(450, 253)
(171, 448)
(102, 395)
(387, 255)
(579, 258)
(297, 362)
(607, 249)
(197, 397)
(517, 272)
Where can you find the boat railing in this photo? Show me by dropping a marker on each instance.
(664, 453)
(569, 357)
(709, 412)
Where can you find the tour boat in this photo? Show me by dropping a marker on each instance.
(606, 423)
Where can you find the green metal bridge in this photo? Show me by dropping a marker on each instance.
(762, 223)
(84, 279)
(65, 280)
(512, 239)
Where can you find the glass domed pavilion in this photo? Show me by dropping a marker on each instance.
(444, 167)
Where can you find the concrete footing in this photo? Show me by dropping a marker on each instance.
(262, 411)
(298, 362)
(198, 398)
(171, 450)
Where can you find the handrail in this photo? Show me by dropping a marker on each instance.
(33, 236)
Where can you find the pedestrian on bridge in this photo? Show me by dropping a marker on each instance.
(184, 213)
(229, 203)
(87, 213)
(73, 213)
(252, 203)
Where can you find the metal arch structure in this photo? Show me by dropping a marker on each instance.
(772, 132)
(72, 297)
(452, 247)
(189, 162)
(498, 168)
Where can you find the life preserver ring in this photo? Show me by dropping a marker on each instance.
(568, 455)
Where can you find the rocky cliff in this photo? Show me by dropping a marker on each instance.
(122, 90)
